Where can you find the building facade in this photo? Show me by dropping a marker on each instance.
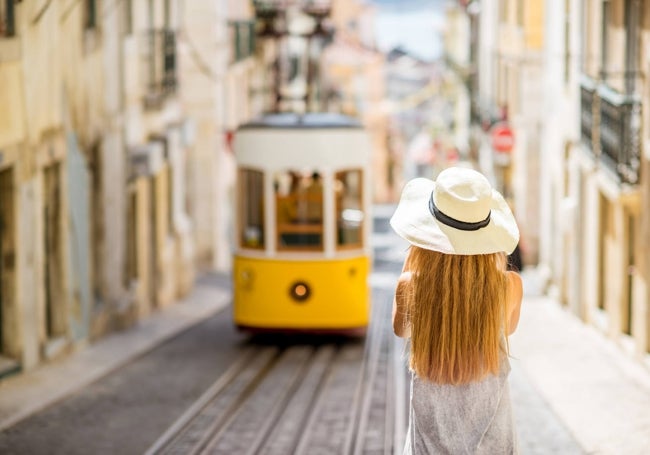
(114, 162)
(608, 173)
(355, 84)
(581, 186)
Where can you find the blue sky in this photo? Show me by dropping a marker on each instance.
(413, 24)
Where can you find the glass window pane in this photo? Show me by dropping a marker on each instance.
(349, 208)
(251, 203)
(299, 207)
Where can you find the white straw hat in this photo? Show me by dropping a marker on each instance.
(459, 213)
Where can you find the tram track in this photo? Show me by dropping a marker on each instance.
(333, 398)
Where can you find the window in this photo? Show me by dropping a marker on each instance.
(503, 11)
(90, 14)
(632, 38)
(520, 13)
(7, 18)
(299, 210)
(349, 209)
(567, 41)
(128, 17)
(242, 40)
(251, 203)
(605, 37)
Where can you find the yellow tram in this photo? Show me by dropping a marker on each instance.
(302, 253)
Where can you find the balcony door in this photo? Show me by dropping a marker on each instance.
(8, 339)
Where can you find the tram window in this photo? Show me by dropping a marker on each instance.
(299, 210)
(251, 203)
(349, 208)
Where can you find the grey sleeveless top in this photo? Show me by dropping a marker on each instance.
(474, 418)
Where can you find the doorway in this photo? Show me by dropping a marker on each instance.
(55, 314)
(8, 340)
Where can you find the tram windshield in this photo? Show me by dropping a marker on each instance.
(299, 206)
(252, 208)
(299, 209)
(349, 212)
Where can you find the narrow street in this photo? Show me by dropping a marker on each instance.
(150, 152)
(213, 390)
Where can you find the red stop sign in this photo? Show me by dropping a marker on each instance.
(503, 138)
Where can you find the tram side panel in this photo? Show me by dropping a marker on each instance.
(301, 295)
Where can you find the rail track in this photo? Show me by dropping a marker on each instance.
(331, 398)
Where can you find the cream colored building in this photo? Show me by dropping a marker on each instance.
(218, 69)
(103, 136)
(354, 78)
(53, 69)
(506, 85)
(458, 76)
(586, 163)
(608, 174)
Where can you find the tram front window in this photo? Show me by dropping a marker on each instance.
(299, 206)
(349, 214)
(251, 203)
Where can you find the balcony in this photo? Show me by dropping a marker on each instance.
(610, 124)
(160, 67)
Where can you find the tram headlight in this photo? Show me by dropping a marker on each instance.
(300, 291)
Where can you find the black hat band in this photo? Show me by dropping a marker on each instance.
(452, 222)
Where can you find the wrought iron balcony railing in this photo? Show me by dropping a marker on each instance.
(161, 77)
(610, 125)
(620, 130)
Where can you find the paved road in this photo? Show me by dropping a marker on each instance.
(126, 411)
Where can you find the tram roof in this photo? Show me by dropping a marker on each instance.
(312, 120)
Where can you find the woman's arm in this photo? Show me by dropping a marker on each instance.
(401, 325)
(515, 295)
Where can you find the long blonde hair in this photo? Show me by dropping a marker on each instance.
(456, 307)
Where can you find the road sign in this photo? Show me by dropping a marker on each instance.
(503, 138)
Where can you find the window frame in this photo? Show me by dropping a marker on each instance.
(243, 209)
(360, 199)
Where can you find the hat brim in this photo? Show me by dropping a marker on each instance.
(414, 222)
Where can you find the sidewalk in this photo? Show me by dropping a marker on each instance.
(26, 394)
(600, 394)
